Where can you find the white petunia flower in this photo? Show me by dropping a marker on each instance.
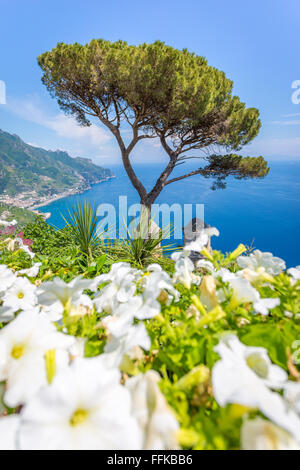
(204, 263)
(24, 247)
(292, 395)
(254, 359)
(84, 408)
(7, 278)
(263, 306)
(157, 422)
(198, 244)
(154, 267)
(295, 273)
(77, 348)
(117, 346)
(31, 272)
(262, 262)
(57, 295)
(244, 375)
(120, 288)
(259, 434)
(184, 268)
(208, 294)
(6, 314)
(244, 292)
(23, 345)
(122, 317)
(9, 426)
(20, 296)
(153, 285)
(202, 239)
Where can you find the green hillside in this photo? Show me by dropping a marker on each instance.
(27, 168)
(23, 216)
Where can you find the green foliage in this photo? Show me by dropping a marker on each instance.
(178, 90)
(142, 247)
(47, 241)
(26, 168)
(82, 223)
(219, 167)
(183, 336)
(161, 92)
(23, 216)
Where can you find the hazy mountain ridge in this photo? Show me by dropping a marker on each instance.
(26, 168)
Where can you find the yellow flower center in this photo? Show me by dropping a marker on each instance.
(20, 295)
(78, 417)
(17, 351)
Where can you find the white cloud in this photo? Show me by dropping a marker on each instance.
(97, 143)
(291, 115)
(284, 148)
(64, 126)
(287, 123)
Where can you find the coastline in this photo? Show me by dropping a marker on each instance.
(71, 192)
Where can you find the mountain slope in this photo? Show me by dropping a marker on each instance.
(26, 168)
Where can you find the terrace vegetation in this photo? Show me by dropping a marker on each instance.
(118, 346)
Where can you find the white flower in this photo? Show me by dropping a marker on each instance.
(208, 295)
(57, 295)
(158, 281)
(263, 306)
(20, 296)
(31, 272)
(24, 247)
(156, 420)
(259, 434)
(5, 223)
(153, 285)
(244, 292)
(9, 426)
(121, 287)
(292, 395)
(84, 408)
(198, 244)
(295, 273)
(154, 267)
(244, 375)
(202, 239)
(77, 348)
(204, 263)
(6, 314)
(255, 361)
(184, 268)
(82, 306)
(7, 278)
(23, 344)
(117, 346)
(256, 260)
(122, 317)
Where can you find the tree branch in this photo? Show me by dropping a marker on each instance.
(178, 178)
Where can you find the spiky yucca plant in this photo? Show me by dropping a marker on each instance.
(82, 222)
(142, 245)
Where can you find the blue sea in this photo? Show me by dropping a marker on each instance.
(260, 213)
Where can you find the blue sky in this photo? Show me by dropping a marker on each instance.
(255, 42)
